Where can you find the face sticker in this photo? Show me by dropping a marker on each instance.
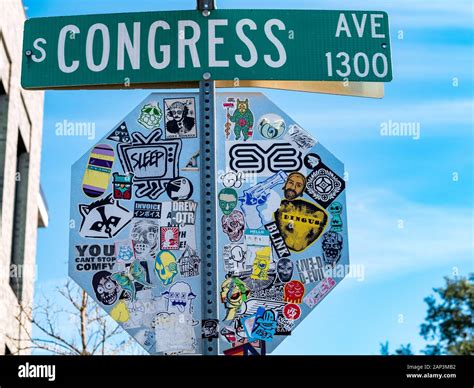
(318, 293)
(234, 258)
(120, 134)
(300, 223)
(294, 185)
(234, 292)
(98, 170)
(189, 262)
(277, 240)
(336, 221)
(263, 157)
(145, 237)
(310, 270)
(285, 270)
(292, 311)
(232, 179)
(271, 126)
(323, 185)
(332, 247)
(261, 264)
(228, 200)
(179, 189)
(169, 237)
(150, 210)
(166, 267)
(242, 118)
(136, 274)
(122, 185)
(106, 289)
(180, 118)
(210, 328)
(153, 162)
(265, 326)
(293, 292)
(300, 137)
(179, 298)
(233, 225)
(150, 116)
(104, 218)
(192, 163)
(260, 201)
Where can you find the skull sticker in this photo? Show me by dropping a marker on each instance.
(233, 225)
(332, 247)
(106, 289)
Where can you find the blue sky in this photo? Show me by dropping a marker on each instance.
(390, 178)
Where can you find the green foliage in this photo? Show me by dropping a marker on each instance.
(449, 321)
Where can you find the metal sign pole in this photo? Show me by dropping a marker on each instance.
(208, 195)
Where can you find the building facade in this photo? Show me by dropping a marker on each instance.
(22, 205)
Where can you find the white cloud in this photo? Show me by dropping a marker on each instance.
(431, 235)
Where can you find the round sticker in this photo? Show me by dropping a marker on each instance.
(179, 189)
(271, 126)
(292, 311)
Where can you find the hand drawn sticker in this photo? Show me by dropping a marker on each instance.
(135, 274)
(233, 225)
(260, 201)
(293, 292)
(106, 289)
(150, 116)
(300, 223)
(332, 247)
(104, 218)
(122, 186)
(271, 126)
(179, 189)
(242, 118)
(166, 267)
(336, 221)
(234, 292)
(153, 162)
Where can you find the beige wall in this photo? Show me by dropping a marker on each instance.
(23, 117)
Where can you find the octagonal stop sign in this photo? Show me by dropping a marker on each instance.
(279, 235)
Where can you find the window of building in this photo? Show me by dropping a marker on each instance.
(3, 139)
(19, 218)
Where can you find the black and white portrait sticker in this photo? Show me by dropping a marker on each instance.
(180, 118)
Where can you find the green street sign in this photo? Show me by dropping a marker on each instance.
(140, 49)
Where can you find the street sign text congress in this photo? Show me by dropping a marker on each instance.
(180, 46)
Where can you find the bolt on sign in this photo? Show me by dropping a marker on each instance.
(281, 235)
(137, 49)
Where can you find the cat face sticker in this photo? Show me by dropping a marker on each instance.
(104, 218)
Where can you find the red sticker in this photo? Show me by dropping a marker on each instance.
(292, 311)
(170, 237)
(293, 292)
